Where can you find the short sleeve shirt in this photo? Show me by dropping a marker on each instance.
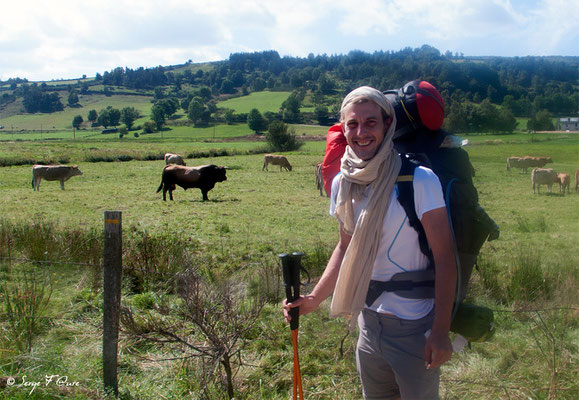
(399, 248)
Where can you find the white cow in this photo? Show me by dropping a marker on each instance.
(172, 158)
(543, 176)
(60, 173)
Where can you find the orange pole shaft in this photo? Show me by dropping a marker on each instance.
(297, 373)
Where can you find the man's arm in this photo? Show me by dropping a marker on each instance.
(325, 286)
(438, 347)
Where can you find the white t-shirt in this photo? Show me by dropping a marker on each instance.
(399, 249)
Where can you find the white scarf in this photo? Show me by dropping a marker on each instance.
(380, 174)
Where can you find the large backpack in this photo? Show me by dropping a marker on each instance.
(420, 141)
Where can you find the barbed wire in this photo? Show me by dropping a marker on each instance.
(28, 260)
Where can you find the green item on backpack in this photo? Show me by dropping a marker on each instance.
(475, 323)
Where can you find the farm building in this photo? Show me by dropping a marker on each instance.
(568, 124)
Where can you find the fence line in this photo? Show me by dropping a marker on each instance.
(28, 260)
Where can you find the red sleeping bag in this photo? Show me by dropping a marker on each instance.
(335, 147)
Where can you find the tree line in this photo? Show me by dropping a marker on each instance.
(480, 93)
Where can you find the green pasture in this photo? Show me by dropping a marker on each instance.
(528, 276)
(13, 120)
(171, 134)
(263, 101)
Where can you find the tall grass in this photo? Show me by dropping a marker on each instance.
(528, 276)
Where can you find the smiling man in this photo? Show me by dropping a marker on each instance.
(402, 341)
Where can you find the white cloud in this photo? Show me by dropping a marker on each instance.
(68, 38)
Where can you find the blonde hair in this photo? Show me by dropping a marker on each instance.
(365, 94)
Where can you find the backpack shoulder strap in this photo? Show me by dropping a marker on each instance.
(405, 183)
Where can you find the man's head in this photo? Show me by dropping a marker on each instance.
(365, 116)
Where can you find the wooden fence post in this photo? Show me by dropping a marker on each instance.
(113, 247)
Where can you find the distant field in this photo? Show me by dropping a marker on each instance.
(263, 101)
(62, 120)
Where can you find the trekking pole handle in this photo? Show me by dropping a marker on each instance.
(291, 267)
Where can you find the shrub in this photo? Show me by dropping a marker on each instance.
(528, 282)
(280, 137)
(24, 300)
(149, 127)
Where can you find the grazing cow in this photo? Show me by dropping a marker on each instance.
(564, 182)
(276, 160)
(518, 162)
(171, 158)
(319, 179)
(576, 180)
(543, 176)
(60, 173)
(203, 177)
(538, 162)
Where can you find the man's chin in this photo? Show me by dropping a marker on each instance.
(364, 154)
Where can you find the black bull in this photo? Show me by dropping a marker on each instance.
(203, 177)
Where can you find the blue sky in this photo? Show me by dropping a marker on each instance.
(63, 39)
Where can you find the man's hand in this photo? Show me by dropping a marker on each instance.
(438, 350)
(306, 304)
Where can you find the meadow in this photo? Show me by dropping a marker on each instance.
(528, 276)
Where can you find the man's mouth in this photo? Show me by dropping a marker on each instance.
(363, 143)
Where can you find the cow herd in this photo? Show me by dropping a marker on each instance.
(175, 173)
(543, 176)
(204, 177)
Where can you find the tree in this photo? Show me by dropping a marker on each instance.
(506, 121)
(158, 115)
(109, 117)
(129, 115)
(256, 121)
(170, 106)
(77, 121)
(321, 112)
(195, 110)
(280, 137)
(227, 87)
(541, 121)
(92, 116)
(229, 117)
(291, 108)
(73, 99)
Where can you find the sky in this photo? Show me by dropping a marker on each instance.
(66, 39)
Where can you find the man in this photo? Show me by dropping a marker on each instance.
(402, 342)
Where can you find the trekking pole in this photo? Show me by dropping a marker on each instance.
(291, 266)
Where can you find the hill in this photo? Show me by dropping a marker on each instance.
(473, 88)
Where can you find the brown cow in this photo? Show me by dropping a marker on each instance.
(203, 177)
(564, 181)
(60, 173)
(276, 160)
(538, 162)
(543, 176)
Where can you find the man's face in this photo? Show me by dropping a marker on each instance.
(364, 128)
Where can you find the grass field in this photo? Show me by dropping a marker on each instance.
(263, 101)
(12, 120)
(528, 276)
